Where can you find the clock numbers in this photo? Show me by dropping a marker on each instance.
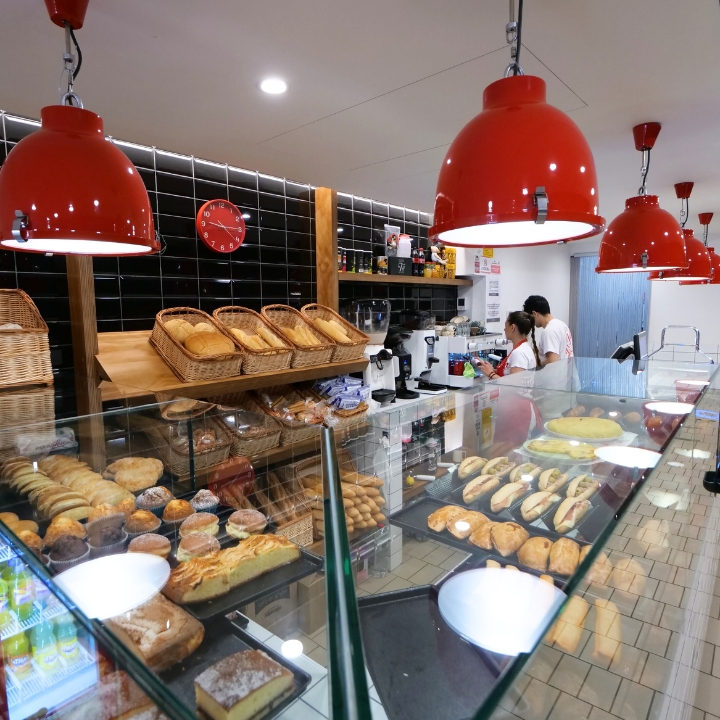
(218, 220)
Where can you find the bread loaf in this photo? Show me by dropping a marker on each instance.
(209, 343)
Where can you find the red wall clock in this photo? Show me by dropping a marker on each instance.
(220, 226)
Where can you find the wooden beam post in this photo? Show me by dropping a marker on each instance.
(326, 244)
(83, 326)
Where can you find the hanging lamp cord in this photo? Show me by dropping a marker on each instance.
(684, 211)
(71, 67)
(513, 33)
(644, 170)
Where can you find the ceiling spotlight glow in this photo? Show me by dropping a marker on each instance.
(273, 86)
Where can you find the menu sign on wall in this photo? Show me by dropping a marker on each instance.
(485, 264)
(492, 300)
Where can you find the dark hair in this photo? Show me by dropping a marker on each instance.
(538, 304)
(525, 323)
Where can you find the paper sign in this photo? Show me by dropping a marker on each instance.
(492, 300)
(707, 415)
(487, 252)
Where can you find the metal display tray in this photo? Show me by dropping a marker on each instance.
(223, 638)
(430, 672)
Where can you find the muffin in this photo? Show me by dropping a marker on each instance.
(154, 499)
(205, 501)
(140, 522)
(105, 515)
(243, 523)
(200, 522)
(196, 545)
(62, 526)
(150, 543)
(32, 540)
(107, 541)
(176, 511)
(68, 551)
(126, 507)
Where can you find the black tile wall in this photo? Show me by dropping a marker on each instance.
(276, 263)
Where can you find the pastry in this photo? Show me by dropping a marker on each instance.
(566, 633)
(579, 451)
(537, 504)
(63, 526)
(592, 428)
(209, 577)
(242, 686)
(126, 507)
(466, 523)
(507, 495)
(492, 564)
(243, 523)
(499, 466)
(596, 412)
(150, 543)
(582, 487)
(552, 480)
(142, 521)
(564, 557)
(526, 473)
(438, 520)
(577, 411)
(478, 486)
(534, 553)
(154, 499)
(200, 522)
(107, 539)
(67, 548)
(471, 465)
(604, 647)
(20, 525)
(205, 344)
(481, 538)
(32, 540)
(205, 501)
(196, 545)
(7, 517)
(159, 632)
(177, 510)
(508, 537)
(569, 513)
(135, 473)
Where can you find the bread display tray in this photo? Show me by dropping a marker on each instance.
(432, 673)
(223, 638)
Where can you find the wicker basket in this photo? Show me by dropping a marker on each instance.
(298, 531)
(24, 354)
(247, 447)
(254, 361)
(26, 411)
(283, 316)
(291, 431)
(186, 365)
(178, 463)
(348, 418)
(343, 351)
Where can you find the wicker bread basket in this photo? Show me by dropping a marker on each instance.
(298, 531)
(284, 316)
(248, 446)
(32, 410)
(24, 354)
(343, 351)
(186, 365)
(254, 361)
(292, 431)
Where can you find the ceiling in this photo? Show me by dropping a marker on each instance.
(379, 88)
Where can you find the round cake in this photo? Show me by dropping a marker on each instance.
(590, 428)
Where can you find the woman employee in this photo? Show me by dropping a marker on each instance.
(524, 355)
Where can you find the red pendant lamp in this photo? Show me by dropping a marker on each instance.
(65, 189)
(644, 236)
(699, 267)
(520, 173)
(705, 219)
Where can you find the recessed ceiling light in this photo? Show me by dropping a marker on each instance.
(273, 86)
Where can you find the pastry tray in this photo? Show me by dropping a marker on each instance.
(259, 587)
(223, 638)
(421, 668)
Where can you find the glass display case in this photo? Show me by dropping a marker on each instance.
(539, 546)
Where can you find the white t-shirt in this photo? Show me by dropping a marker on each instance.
(521, 357)
(556, 338)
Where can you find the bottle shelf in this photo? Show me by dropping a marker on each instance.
(402, 279)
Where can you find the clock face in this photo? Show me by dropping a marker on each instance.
(220, 226)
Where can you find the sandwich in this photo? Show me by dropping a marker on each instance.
(526, 472)
(500, 467)
(507, 495)
(537, 504)
(479, 486)
(552, 480)
(471, 465)
(569, 514)
(582, 487)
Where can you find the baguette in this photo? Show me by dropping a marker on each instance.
(471, 465)
(569, 513)
(216, 574)
(479, 486)
(526, 472)
(538, 503)
(499, 466)
(552, 480)
(507, 495)
(270, 338)
(582, 487)
(333, 330)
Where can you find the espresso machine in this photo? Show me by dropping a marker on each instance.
(460, 346)
(421, 346)
(402, 361)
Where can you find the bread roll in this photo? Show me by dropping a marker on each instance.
(471, 465)
(538, 503)
(552, 480)
(507, 495)
(582, 487)
(209, 343)
(205, 327)
(479, 486)
(526, 472)
(569, 513)
(499, 466)
(179, 329)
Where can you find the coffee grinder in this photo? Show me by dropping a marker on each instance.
(402, 361)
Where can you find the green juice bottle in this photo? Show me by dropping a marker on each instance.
(66, 635)
(5, 615)
(44, 647)
(16, 650)
(22, 591)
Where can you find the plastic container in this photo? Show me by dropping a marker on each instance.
(22, 591)
(432, 447)
(44, 647)
(16, 650)
(404, 246)
(66, 635)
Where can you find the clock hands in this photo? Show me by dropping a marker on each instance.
(227, 230)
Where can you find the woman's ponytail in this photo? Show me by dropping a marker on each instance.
(534, 344)
(525, 323)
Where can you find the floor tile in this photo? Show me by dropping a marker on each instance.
(599, 688)
(632, 701)
(568, 707)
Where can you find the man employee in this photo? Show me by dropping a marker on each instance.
(556, 341)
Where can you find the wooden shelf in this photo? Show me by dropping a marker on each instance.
(401, 279)
(131, 364)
